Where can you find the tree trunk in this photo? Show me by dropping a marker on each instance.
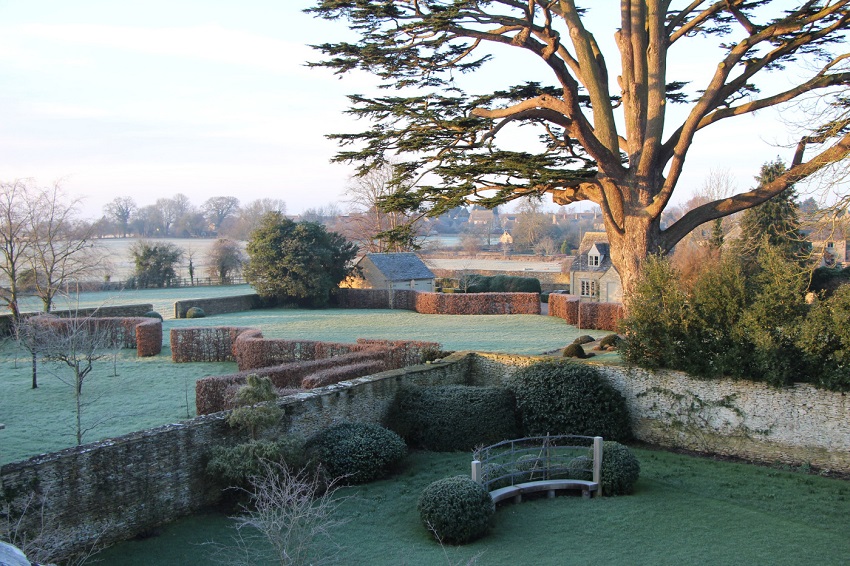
(34, 371)
(640, 238)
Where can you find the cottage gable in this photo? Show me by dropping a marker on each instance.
(392, 271)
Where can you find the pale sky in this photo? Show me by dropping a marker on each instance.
(211, 98)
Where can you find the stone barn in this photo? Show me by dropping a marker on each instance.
(391, 271)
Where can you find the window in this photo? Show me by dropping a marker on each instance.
(593, 260)
(830, 245)
(588, 288)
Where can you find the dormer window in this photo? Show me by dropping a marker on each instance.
(592, 260)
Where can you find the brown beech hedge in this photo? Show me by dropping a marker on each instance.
(599, 316)
(139, 333)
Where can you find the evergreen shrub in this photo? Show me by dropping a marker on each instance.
(574, 351)
(195, 312)
(357, 452)
(620, 469)
(610, 340)
(584, 339)
(503, 284)
(152, 314)
(447, 418)
(235, 465)
(569, 398)
(456, 510)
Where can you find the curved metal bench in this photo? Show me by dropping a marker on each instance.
(550, 486)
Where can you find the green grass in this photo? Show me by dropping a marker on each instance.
(686, 510)
(153, 391)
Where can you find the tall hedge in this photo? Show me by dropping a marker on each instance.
(447, 418)
(503, 284)
(569, 398)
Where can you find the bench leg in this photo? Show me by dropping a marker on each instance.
(518, 498)
(550, 494)
(585, 493)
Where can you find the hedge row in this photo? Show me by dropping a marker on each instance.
(205, 344)
(441, 303)
(222, 305)
(599, 316)
(253, 351)
(213, 394)
(141, 334)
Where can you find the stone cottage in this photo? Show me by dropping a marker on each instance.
(592, 275)
(391, 271)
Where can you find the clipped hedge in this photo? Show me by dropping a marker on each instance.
(442, 303)
(357, 452)
(569, 398)
(447, 418)
(312, 364)
(456, 510)
(598, 316)
(140, 333)
(620, 469)
(503, 284)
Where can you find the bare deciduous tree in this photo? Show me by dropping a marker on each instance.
(225, 259)
(120, 210)
(15, 242)
(372, 228)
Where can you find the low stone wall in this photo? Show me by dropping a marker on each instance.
(124, 486)
(736, 418)
(221, 305)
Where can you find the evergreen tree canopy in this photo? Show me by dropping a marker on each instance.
(774, 222)
(603, 138)
(300, 261)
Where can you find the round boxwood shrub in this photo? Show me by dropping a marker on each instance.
(580, 468)
(152, 314)
(456, 510)
(195, 312)
(569, 398)
(610, 340)
(620, 469)
(447, 418)
(357, 452)
(574, 351)
(584, 339)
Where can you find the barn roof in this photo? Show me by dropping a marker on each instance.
(401, 266)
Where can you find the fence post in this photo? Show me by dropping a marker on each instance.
(476, 471)
(597, 463)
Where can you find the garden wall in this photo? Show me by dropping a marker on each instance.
(121, 487)
(599, 316)
(749, 420)
(440, 303)
(221, 305)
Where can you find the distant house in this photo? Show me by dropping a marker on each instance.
(592, 275)
(830, 244)
(482, 217)
(392, 271)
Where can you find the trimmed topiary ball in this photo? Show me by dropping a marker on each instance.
(584, 339)
(620, 469)
(610, 340)
(195, 312)
(357, 452)
(152, 314)
(569, 398)
(456, 510)
(574, 351)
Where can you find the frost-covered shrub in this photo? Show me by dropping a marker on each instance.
(456, 510)
(195, 312)
(357, 452)
(574, 351)
(152, 314)
(620, 469)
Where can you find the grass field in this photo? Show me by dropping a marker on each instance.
(686, 510)
(148, 392)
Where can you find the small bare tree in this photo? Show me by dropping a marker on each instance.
(293, 513)
(225, 259)
(27, 333)
(75, 343)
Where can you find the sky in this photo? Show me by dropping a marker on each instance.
(212, 98)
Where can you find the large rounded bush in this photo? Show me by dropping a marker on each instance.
(569, 398)
(456, 510)
(153, 314)
(357, 452)
(620, 469)
(195, 312)
(448, 418)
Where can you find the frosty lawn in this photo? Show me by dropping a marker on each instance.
(154, 391)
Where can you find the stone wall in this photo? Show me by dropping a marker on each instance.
(221, 305)
(124, 486)
(736, 418)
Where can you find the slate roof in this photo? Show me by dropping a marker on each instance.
(590, 239)
(402, 266)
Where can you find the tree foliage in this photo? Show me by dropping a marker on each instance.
(606, 139)
(299, 261)
(225, 259)
(155, 263)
